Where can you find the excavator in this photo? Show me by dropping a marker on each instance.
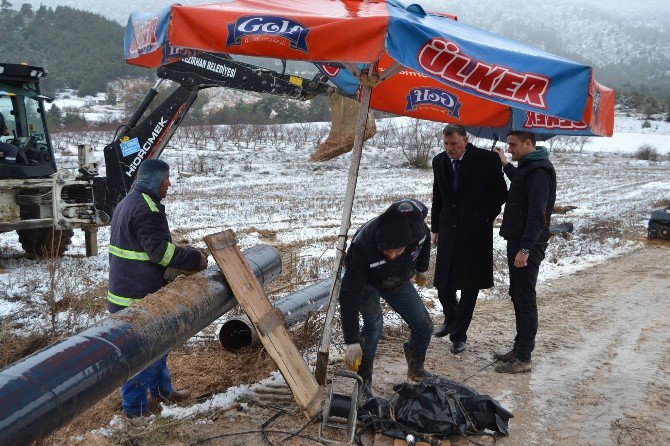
(45, 204)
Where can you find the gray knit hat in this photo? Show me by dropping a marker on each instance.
(150, 174)
(393, 231)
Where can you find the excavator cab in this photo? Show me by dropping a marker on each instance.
(42, 204)
(25, 145)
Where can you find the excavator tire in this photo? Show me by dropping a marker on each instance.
(45, 243)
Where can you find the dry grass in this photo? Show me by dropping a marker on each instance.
(562, 210)
(602, 229)
(14, 347)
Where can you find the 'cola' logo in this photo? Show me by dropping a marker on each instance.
(144, 36)
(294, 32)
(444, 59)
(540, 121)
(424, 96)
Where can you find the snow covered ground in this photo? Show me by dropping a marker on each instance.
(91, 108)
(268, 192)
(629, 135)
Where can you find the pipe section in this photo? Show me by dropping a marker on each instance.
(239, 332)
(45, 390)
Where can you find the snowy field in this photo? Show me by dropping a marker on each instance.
(268, 192)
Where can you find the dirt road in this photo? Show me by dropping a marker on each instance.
(600, 374)
(601, 364)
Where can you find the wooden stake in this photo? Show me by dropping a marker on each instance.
(324, 349)
(268, 323)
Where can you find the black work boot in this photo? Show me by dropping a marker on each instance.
(365, 372)
(442, 330)
(415, 368)
(504, 357)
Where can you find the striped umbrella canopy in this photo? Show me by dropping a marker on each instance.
(397, 58)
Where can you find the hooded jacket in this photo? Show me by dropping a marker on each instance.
(366, 265)
(530, 200)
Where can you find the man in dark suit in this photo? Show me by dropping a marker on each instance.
(468, 192)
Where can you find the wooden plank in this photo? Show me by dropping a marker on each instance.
(271, 331)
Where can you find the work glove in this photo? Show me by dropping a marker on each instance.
(203, 260)
(353, 356)
(421, 279)
(171, 274)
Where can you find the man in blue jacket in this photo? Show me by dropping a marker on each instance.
(525, 226)
(384, 255)
(140, 252)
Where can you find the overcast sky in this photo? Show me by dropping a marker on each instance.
(125, 7)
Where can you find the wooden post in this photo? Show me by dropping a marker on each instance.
(269, 324)
(91, 240)
(324, 349)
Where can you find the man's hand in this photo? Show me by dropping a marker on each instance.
(521, 259)
(433, 238)
(353, 356)
(421, 278)
(501, 154)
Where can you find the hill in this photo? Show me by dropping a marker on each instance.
(80, 50)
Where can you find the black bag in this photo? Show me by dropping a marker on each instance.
(437, 408)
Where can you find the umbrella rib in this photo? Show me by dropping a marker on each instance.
(392, 70)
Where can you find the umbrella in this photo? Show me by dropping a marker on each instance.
(398, 58)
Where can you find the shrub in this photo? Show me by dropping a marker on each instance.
(647, 153)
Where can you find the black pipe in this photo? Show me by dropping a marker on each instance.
(239, 332)
(45, 390)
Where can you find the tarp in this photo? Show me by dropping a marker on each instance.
(452, 72)
(435, 408)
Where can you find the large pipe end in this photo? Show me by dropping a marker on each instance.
(237, 334)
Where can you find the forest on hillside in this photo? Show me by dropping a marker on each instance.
(80, 50)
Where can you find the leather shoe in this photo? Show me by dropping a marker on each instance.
(179, 395)
(441, 331)
(457, 347)
(175, 397)
(514, 366)
(505, 357)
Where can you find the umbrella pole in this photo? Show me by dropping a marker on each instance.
(322, 355)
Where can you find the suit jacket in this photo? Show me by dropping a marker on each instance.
(463, 219)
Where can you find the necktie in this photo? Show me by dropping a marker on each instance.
(455, 164)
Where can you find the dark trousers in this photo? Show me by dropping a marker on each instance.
(522, 282)
(407, 303)
(458, 314)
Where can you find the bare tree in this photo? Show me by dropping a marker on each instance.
(417, 139)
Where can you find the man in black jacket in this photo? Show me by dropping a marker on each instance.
(468, 191)
(384, 255)
(525, 226)
(140, 253)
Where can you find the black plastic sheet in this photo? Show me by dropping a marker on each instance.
(435, 408)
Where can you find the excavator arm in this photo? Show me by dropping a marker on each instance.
(144, 138)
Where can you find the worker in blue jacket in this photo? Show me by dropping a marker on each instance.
(140, 253)
(383, 257)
